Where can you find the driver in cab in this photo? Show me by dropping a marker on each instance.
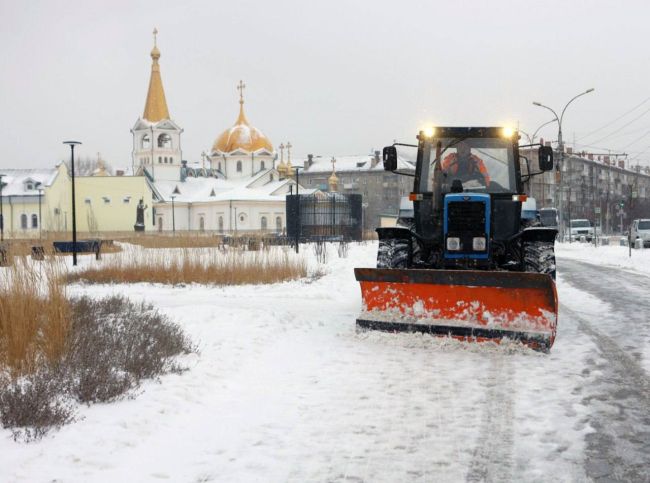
(465, 166)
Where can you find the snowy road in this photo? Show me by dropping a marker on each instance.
(285, 389)
(619, 399)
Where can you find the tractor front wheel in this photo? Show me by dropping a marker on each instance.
(539, 257)
(393, 253)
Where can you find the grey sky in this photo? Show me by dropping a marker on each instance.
(332, 77)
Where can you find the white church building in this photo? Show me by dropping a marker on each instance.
(240, 189)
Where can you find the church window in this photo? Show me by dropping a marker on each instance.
(219, 166)
(34, 221)
(201, 223)
(160, 224)
(164, 141)
(239, 166)
(171, 160)
(263, 223)
(278, 224)
(146, 142)
(165, 159)
(159, 159)
(23, 221)
(271, 176)
(262, 165)
(221, 224)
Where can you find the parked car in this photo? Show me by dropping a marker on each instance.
(641, 230)
(579, 228)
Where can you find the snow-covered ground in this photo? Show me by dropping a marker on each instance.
(607, 255)
(285, 389)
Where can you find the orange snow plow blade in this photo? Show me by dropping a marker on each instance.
(468, 305)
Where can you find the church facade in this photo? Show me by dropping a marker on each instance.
(240, 189)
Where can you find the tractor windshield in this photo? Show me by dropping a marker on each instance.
(480, 164)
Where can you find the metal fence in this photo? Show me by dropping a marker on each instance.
(324, 216)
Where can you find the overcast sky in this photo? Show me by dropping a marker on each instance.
(332, 77)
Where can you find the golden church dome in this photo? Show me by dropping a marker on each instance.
(242, 135)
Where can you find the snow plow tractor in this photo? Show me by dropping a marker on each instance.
(465, 264)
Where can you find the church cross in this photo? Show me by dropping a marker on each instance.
(333, 163)
(240, 87)
(289, 146)
(155, 32)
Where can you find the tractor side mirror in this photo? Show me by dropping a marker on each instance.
(390, 158)
(545, 156)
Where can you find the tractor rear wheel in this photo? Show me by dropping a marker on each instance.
(539, 257)
(393, 253)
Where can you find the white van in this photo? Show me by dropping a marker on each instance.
(580, 228)
(641, 230)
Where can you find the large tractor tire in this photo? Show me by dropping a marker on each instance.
(393, 253)
(539, 257)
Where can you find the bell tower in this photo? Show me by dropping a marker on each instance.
(156, 138)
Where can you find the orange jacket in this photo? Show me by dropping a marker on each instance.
(450, 165)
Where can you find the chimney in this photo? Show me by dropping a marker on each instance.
(183, 171)
(606, 159)
(590, 156)
(569, 150)
(637, 168)
(310, 159)
(119, 172)
(621, 163)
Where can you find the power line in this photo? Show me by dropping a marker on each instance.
(618, 118)
(623, 127)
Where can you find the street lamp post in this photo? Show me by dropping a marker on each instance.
(2, 216)
(72, 144)
(298, 221)
(40, 216)
(173, 216)
(560, 145)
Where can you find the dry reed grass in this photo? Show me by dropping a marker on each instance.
(210, 267)
(181, 240)
(34, 315)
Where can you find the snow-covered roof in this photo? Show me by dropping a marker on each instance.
(355, 163)
(15, 182)
(205, 190)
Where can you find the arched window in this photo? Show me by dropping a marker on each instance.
(146, 142)
(159, 159)
(261, 164)
(23, 221)
(219, 165)
(160, 223)
(165, 159)
(263, 223)
(201, 223)
(239, 166)
(164, 141)
(278, 224)
(171, 160)
(34, 221)
(221, 224)
(271, 176)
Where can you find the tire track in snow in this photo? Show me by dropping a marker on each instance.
(619, 449)
(492, 459)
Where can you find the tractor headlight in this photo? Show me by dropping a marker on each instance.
(478, 243)
(507, 132)
(453, 244)
(429, 131)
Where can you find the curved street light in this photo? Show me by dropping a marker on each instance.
(531, 139)
(561, 145)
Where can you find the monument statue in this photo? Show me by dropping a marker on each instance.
(139, 217)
